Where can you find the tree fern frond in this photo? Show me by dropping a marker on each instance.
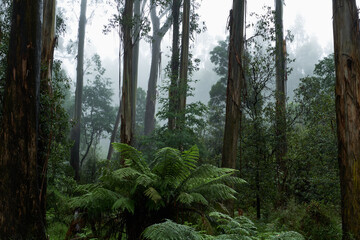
(291, 235)
(96, 201)
(124, 203)
(217, 192)
(190, 157)
(185, 198)
(153, 194)
(198, 198)
(169, 230)
(232, 237)
(132, 157)
(169, 164)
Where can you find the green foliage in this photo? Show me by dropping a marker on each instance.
(171, 183)
(170, 230)
(317, 224)
(313, 140)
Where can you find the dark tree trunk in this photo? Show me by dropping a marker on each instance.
(281, 144)
(45, 132)
(75, 131)
(20, 208)
(184, 64)
(158, 33)
(175, 62)
(126, 133)
(347, 90)
(234, 85)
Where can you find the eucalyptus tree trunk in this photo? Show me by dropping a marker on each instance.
(158, 34)
(20, 208)
(234, 85)
(347, 91)
(46, 110)
(126, 133)
(118, 115)
(184, 64)
(175, 62)
(135, 59)
(280, 112)
(75, 131)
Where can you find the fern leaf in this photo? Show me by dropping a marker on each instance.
(153, 194)
(124, 203)
(190, 157)
(169, 230)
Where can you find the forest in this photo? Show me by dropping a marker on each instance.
(88, 156)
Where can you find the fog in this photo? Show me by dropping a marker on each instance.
(312, 30)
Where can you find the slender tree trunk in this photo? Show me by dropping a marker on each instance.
(281, 144)
(117, 120)
(347, 90)
(20, 208)
(158, 33)
(75, 131)
(126, 133)
(175, 62)
(45, 132)
(184, 65)
(135, 59)
(234, 85)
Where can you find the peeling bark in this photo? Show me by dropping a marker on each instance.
(347, 92)
(20, 210)
(234, 85)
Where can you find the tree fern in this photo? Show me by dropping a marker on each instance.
(169, 230)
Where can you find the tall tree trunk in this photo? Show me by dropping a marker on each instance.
(45, 132)
(75, 131)
(347, 90)
(135, 59)
(184, 63)
(158, 33)
(234, 85)
(20, 210)
(117, 120)
(281, 145)
(126, 133)
(175, 62)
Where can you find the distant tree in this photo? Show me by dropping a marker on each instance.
(97, 112)
(217, 102)
(158, 34)
(280, 95)
(76, 130)
(234, 85)
(20, 209)
(347, 95)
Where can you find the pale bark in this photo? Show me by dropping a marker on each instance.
(158, 33)
(20, 210)
(75, 131)
(234, 85)
(347, 91)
